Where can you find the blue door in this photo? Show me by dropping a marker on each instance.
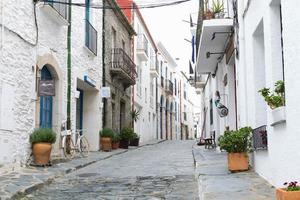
(46, 103)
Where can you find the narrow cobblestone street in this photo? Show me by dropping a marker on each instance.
(161, 171)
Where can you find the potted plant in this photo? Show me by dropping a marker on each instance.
(135, 140)
(291, 192)
(106, 136)
(276, 101)
(115, 141)
(207, 13)
(237, 144)
(126, 135)
(218, 9)
(41, 140)
(134, 116)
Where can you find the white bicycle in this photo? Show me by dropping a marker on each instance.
(73, 141)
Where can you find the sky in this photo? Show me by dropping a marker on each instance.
(166, 25)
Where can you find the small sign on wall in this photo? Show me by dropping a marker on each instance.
(47, 88)
(105, 92)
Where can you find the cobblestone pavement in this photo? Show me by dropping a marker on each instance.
(217, 183)
(161, 171)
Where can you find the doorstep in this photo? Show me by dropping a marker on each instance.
(217, 183)
(26, 180)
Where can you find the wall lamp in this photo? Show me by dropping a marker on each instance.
(212, 53)
(214, 34)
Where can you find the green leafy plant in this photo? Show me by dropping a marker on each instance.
(126, 133)
(135, 114)
(107, 132)
(42, 135)
(218, 6)
(292, 186)
(116, 137)
(236, 141)
(135, 136)
(274, 99)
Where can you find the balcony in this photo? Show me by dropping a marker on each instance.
(162, 82)
(122, 67)
(169, 87)
(91, 37)
(57, 11)
(198, 81)
(154, 68)
(142, 47)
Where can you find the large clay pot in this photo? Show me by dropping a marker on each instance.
(41, 153)
(124, 144)
(105, 143)
(238, 162)
(134, 142)
(115, 145)
(282, 194)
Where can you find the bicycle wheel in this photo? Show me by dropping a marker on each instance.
(69, 148)
(84, 147)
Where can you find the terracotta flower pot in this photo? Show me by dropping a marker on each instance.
(115, 145)
(134, 142)
(238, 162)
(208, 15)
(105, 143)
(282, 194)
(41, 153)
(124, 144)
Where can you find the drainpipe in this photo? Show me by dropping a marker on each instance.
(103, 63)
(69, 68)
(2, 28)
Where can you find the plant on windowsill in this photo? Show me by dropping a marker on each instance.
(208, 14)
(116, 141)
(291, 192)
(237, 144)
(126, 135)
(41, 140)
(135, 140)
(218, 9)
(106, 136)
(276, 101)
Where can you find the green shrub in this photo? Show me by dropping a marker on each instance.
(274, 99)
(116, 137)
(42, 135)
(236, 141)
(127, 134)
(107, 132)
(135, 136)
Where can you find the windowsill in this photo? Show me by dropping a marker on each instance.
(89, 51)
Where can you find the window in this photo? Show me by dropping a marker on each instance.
(90, 32)
(113, 38)
(123, 45)
(211, 112)
(175, 83)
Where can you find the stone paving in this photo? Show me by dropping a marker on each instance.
(161, 171)
(26, 180)
(217, 183)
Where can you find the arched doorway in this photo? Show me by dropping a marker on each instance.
(46, 102)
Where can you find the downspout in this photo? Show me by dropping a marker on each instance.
(69, 68)
(2, 28)
(103, 68)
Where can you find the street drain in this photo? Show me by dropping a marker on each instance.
(87, 175)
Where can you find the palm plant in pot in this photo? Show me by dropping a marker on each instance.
(290, 192)
(106, 136)
(218, 9)
(135, 140)
(116, 141)
(41, 140)
(126, 135)
(237, 144)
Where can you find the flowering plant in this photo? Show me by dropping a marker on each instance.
(292, 186)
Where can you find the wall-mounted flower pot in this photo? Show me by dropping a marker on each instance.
(134, 142)
(105, 143)
(124, 144)
(115, 145)
(282, 194)
(238, 162)
(278, 116)
(41, 153)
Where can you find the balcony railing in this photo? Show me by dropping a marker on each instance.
(123, 66)
(169, 87)
(162, 82)
(142, 44)
(90, 37)
(60, 8)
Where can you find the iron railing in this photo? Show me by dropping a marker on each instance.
(90, 37)
(61, 8)
(260, 138)
(120, 60)
(142, 43)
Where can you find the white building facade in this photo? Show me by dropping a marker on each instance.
(33, 49)
(242, 54)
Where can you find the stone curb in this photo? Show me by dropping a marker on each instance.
(19, 191)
